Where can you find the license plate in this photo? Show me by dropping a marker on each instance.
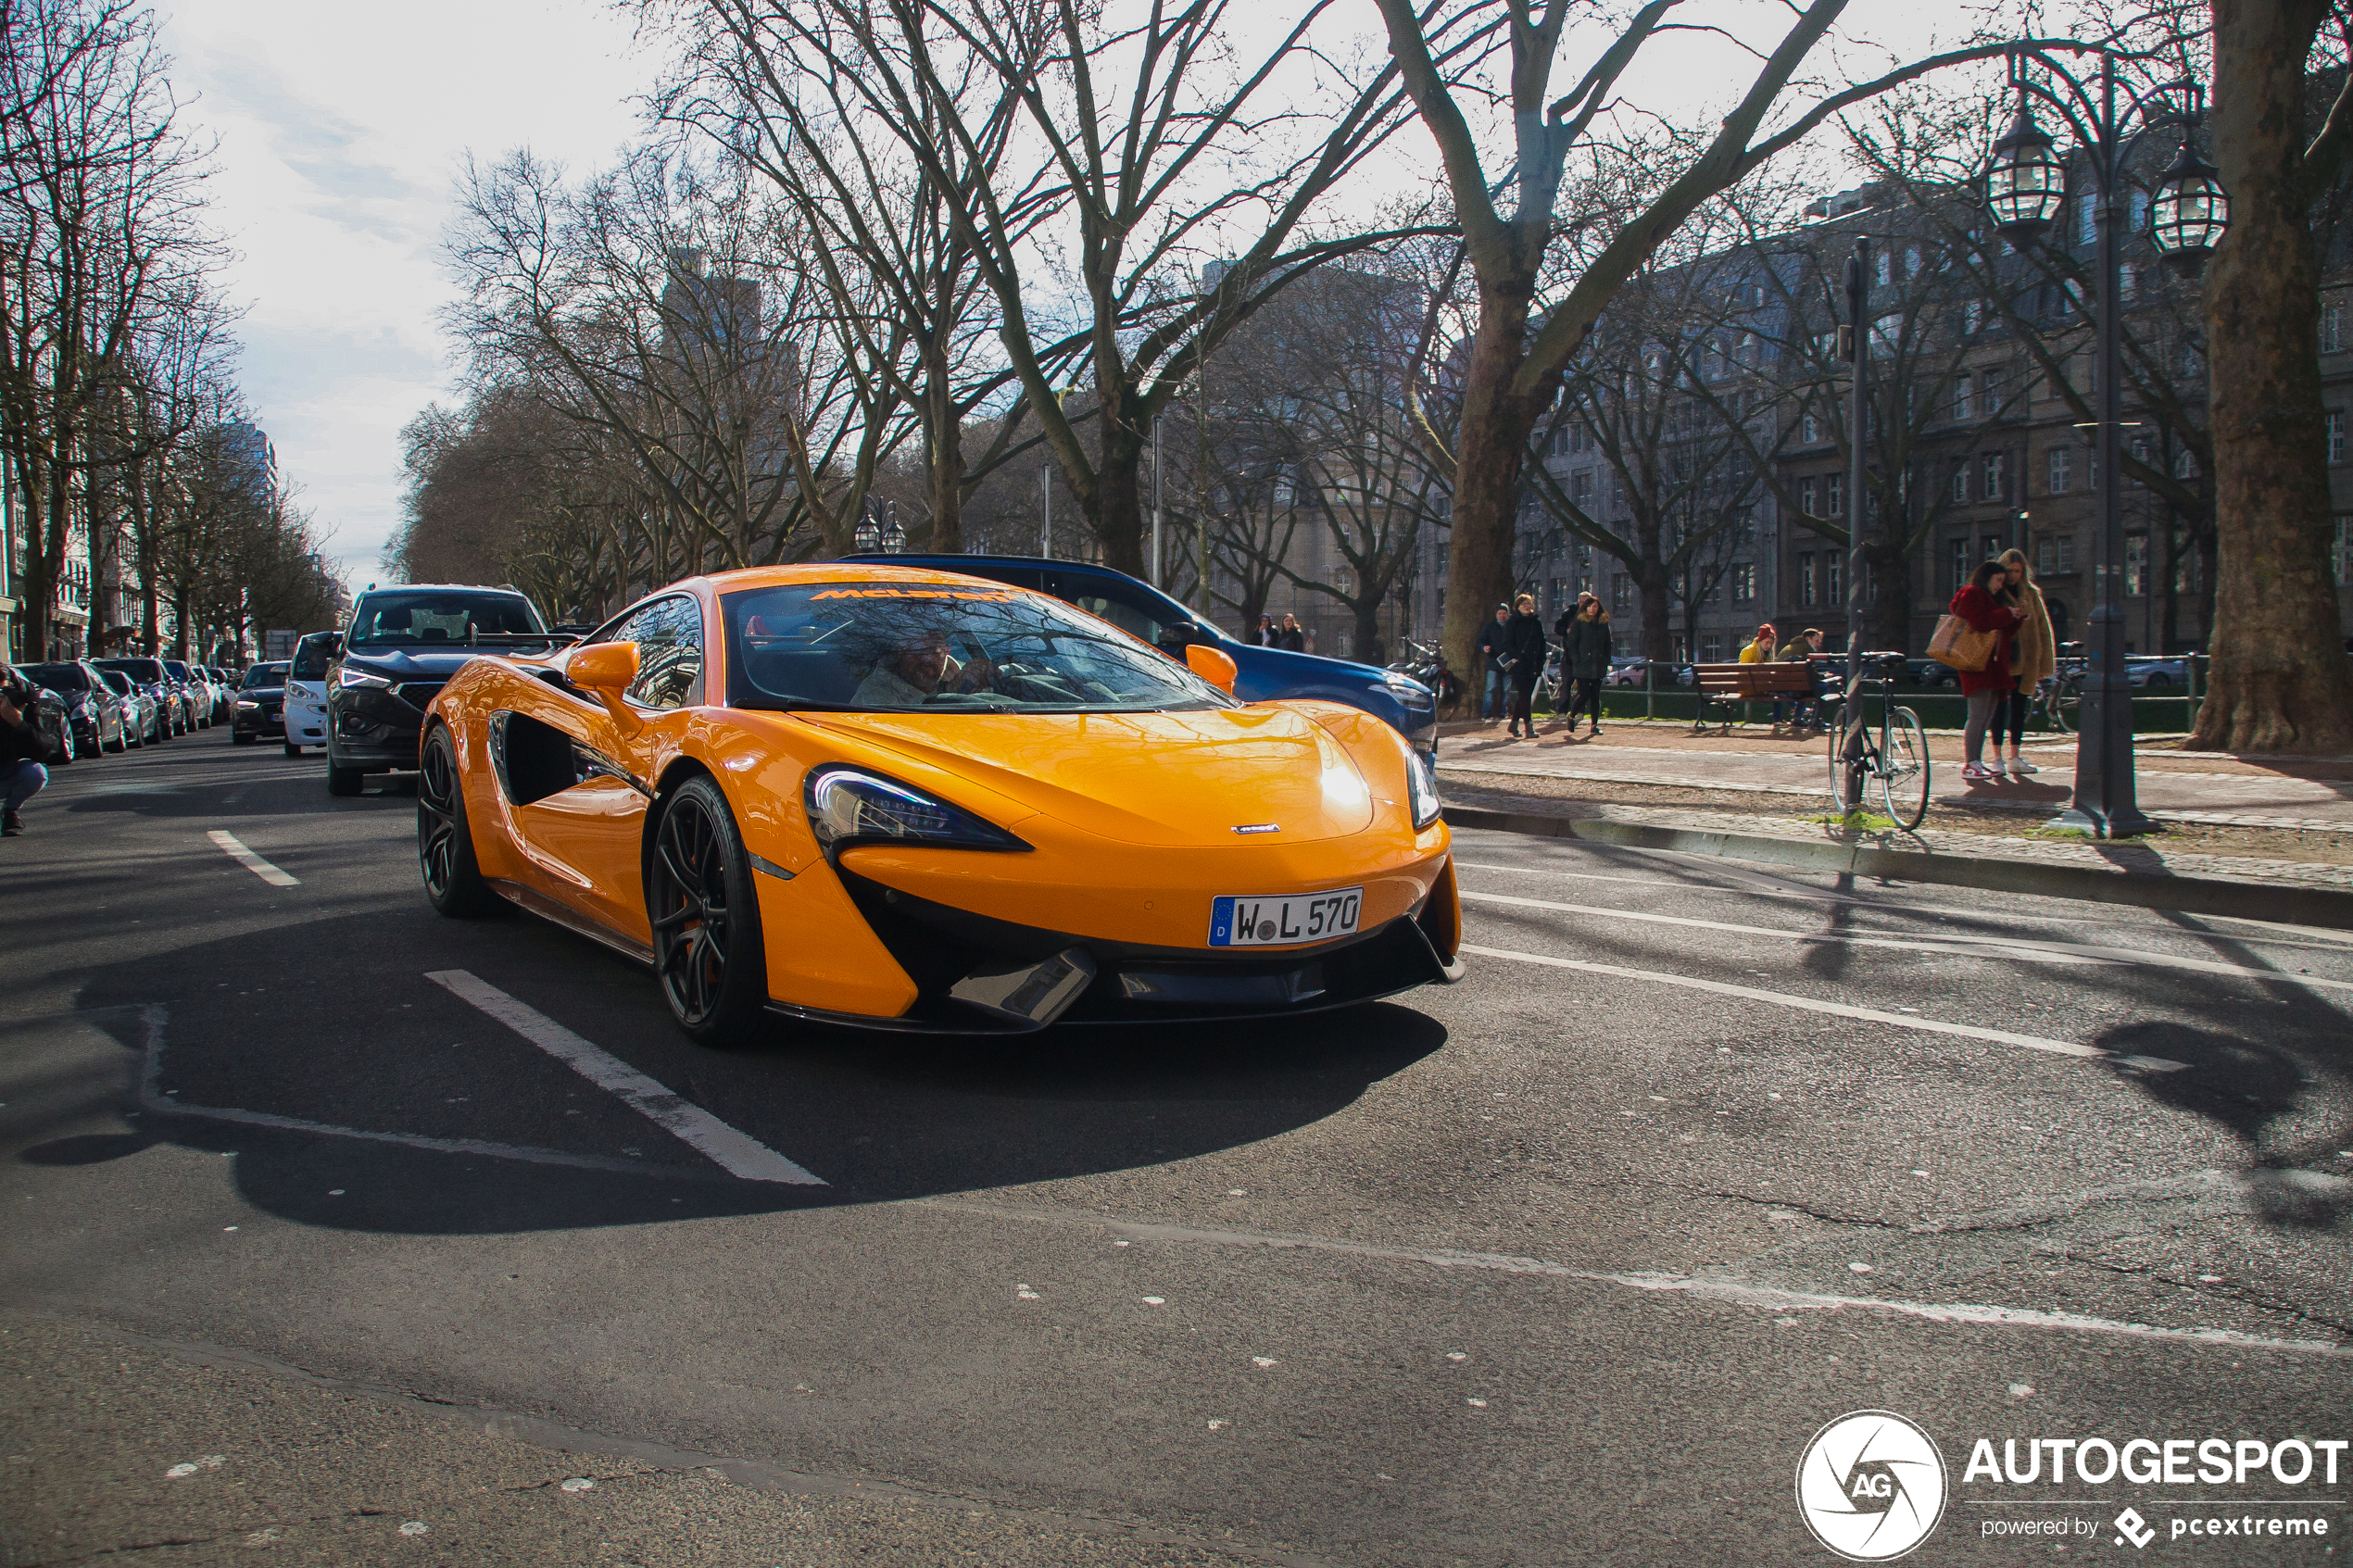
(1240, 921)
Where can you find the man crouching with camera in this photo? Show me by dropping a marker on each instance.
(24, 749)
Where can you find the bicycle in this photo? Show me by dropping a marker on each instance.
(1897, 757)
(2053, 706)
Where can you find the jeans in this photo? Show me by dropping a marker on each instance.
(1491, 706)
(24, 780)
(1983, 708)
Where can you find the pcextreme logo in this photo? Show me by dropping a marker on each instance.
(1871, 1485)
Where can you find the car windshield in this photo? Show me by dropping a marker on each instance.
(56, 677)
(265, 675)
(312, 655)
(179, 671)
(414, 616)
(117, 681)
(148, 670)
(900, 647)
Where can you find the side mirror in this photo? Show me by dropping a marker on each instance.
(1177, 636)
(607, 669)
(1213, 665)
(335, 645)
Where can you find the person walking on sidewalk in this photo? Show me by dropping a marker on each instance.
(1585, 653)
(2034, 658)
(24, 749)
(1524, 649)
(1494, 685)
(1988, 689)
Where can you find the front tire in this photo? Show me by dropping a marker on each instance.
(293, 750)
(453, 883)
(705, 915)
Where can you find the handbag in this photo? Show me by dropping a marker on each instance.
(1961, 645)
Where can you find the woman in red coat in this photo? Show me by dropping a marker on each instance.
(1988, 689)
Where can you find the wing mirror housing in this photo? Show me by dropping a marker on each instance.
(1211, 664)
(606, 670)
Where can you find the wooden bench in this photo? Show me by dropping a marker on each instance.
(1771, 680)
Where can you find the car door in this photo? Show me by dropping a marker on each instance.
(587, 834)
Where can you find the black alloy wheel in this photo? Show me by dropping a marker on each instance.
(453, 883)
(705, 915)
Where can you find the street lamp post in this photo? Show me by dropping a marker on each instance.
(2024, 187)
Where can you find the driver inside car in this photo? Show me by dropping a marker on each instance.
(923, 668)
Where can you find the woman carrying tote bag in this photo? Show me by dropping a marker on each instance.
(2034, 658)
(1988, 687)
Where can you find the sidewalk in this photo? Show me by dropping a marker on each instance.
(2301, 795)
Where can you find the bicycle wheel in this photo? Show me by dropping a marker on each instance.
(1904, 769)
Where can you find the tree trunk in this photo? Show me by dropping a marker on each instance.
(946, 453)
(2279, 679)
(1491, 445)
(1119, 510)
(1658, 631)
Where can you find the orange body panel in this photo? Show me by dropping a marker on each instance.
(1130, 818)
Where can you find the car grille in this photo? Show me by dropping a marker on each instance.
(419, 693)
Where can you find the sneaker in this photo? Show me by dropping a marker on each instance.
(1979, 771)
(2021, 767)
(11, 825)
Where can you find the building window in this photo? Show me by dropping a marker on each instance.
(2086, 221)
(1580, 488)
(1808, 589)
(2137, 565)
(1809, 429)
(2336, 437)
(1960, 483)
(1743, 583)
(2333, 329)
(1961, 402)
(1833, 577)
(1886, 268)
(1995, 485)
(1711, 648)
(2140, 456)
(1805, 497)
(1621, 591)
(1990, 399)
(1973, 316)
(1836, 485)
(2124, 281)
(2056, 557)
(2063, 463)
(1959, 553)
(2343, 552)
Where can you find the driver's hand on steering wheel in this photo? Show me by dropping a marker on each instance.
(975, 673)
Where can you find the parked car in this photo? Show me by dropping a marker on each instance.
(1262, 673)
(195, 692)
(402, 645)
(171, 698)
(1929, 675)
(147, 720)
(2157, 675)
(260, 709)
(1629, 671)
(93, 712)
(306, 689)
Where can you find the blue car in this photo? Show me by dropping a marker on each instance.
(1261, 673)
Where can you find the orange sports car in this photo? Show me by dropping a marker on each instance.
(916, 800)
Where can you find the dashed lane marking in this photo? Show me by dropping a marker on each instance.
(737, 1153)
(251, 861)
(1810, 1004)
(1964, 944)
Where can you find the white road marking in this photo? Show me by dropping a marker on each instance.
(1730, 1291)
(1805, 1003)
(736, 1153)
(230, 847)
(2025, 949)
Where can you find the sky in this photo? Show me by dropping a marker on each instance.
(340, 127)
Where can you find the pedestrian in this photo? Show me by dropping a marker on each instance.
(1264, 636)
(1569, 615)
(24, 749)
(1988, 689)
(2034, 658)
(1585, 655)
(1524, 650)
(1492, 686)
(1291, 636)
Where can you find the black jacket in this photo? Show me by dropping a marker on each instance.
(1492, 641)
(1293, 638)
(1524, 645)
(25, 741)
(1587, 648)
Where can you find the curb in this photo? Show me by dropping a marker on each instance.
(2186, 894)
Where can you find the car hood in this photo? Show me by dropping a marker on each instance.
(259, 693)
(1301, 669)
(1164, 779)
(426, 663)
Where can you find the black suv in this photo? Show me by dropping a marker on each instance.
(261, 705)
(402, 646)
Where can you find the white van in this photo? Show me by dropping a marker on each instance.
(307, 690)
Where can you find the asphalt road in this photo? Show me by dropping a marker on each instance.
(1566, 1263)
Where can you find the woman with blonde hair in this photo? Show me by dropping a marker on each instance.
(2033, 657)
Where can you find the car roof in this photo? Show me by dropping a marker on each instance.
(833, 571)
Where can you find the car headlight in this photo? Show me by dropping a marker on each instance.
(848, 804)
(346, 678)
(1421, 787)
(1409, 692)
